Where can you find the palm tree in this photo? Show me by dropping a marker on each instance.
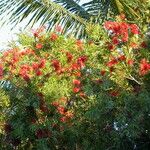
(71, 14)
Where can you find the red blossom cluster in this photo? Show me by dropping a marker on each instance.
(53, 37)
(1, 71)
(120, 31)
(144, 67)
(43, 106)
(65, 115)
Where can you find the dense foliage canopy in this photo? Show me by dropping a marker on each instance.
(62, 93)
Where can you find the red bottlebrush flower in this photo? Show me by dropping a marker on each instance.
(81, 61)
(79, 43)
(75, 66)
(42, 63)
(134, 29)
(24, 72)
(56, 104)
(115, 40)
(144, 67)
(56, 65)
(76, 82)
(38, 72)
(76, 89)
(112, 62)
(63, 100)
(114, 26)
(53, 37)
(26, 78)
(114, 93)
(69, 57)
(39, 46)
(134, 45)
(110, 47)
(130, 62)
(125, 36)
(69, 114)
(61, 110)
(15, 58)
(122, 58)
(102, 72)
(44, 108)
(35, 66)
(1, 72)
(143, 45)
(63, 119)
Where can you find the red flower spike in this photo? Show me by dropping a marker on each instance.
(56, 65)
(69, 57)
(143, 45)
(134, 29)
(76, 89)
(1, 72)
(112, 62)
(26, 78)
(79, 43)
(144, 67)
(39, 46)
(39, 73)
(76, 82)
(35, 66)
(134, 45)
(115, 41)
(56, 104)
(61, 110)
(63, 119)
(44, 108)
(102, 72)
(114, 93)
(42, 63)
(53, 37)
(122, 58)
(110, 47)
(130, 62)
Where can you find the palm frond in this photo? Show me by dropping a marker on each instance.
(74, 7)
(42, 11)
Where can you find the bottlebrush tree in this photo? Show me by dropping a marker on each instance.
(65, 93)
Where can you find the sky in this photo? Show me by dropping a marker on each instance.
(7, 35)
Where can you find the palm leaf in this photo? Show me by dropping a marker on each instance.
(44, 12)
